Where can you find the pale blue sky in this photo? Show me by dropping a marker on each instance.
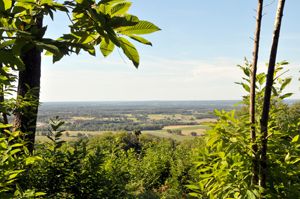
(194, 57)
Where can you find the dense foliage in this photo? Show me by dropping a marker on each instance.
(225, 163)
(112, 166)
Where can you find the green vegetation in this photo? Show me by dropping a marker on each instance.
(112, 166)
(162, 153)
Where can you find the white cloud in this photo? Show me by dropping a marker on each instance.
(156, 79)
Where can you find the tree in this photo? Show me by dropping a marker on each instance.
(252, 92)
(267, 94)
(104, 23)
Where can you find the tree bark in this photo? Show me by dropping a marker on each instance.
(29, 81)
(267, 95)
(4, 115)
(255, 160)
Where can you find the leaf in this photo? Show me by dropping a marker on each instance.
(120, 8)
(141, 40)
(4, 126)
(8, 58)
(287, 157)
(286, 95)
(106, 47)
(143, 27)
(128, 20)
(246, 87)
(130, 51)
(14, 151)
(295, 139)
(31, 160)
(6, 4)
(193, 187)
(286, 82)
(49, 47)
(250, 195)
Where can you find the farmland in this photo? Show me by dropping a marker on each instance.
(176, 120)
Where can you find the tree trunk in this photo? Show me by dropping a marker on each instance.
(267, 96)
(29, 83)
(255, 161)
(4, 115)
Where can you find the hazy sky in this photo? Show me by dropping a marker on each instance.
(194, 57)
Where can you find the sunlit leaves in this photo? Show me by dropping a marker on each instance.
(130, 51)
(143, 27)
(92, 23)
(120, 9)
(140, 39)
(106, 47)
(5, 4)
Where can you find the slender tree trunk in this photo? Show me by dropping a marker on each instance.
(4, 115)
(267, 96)
(255, 161)
(29, 82)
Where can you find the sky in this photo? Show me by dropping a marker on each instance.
(193, 57)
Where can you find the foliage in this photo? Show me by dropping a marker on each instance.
(14, 161)
(93, 23)
(224, 165)
(112, 166)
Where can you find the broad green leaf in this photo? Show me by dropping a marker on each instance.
(141, 40)
(285, 83)
(106, 47)
(14, 151)
(128, 20)
(120, 9)
(49, 47)
(250, 194)
(130, 51)
(31, 160)
(6, 4)
(143, 27)
(4, 126)
(295, 139)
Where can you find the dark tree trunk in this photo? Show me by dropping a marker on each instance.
(29, 82)
(267, 96)
(255, 161)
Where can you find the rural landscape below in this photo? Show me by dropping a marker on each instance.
(178, 120)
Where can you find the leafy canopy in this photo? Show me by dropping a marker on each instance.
(104, 24)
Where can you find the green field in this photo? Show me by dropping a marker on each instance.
(186, 131)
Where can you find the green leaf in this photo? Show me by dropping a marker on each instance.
(14, 151)
(250, 194)
(287, 157)
(4, 126)
(106, 47)
(143, 27)
(6, 4)
(130, 51)
(295, 139)
(128, 20)
(49, 47)
(285, 83)
(286, 95)
(31, 160)
(141, 40)
(120, 9)
(8, 58)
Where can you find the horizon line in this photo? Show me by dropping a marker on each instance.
(154, 100)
